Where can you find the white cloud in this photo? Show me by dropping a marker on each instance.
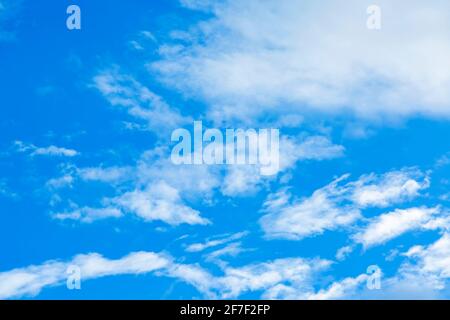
(393, 224)
(294, 55)
(231, 250)
(244, 180)
(31, 280)
(423, 276)
(265, 276)
(337, 205)
(45, 151)
(297, 219)
(311, 148)
(153, 189)
(343, 252)
(157, 185)
(340, 289)
(197, 247)
(154, 184)
(159, 201)
(294, 272)
(431, 260)
(88, 215)
(389, 188)
(124, 91)
(63, 181)
(443, 161)
(192, 181)
(109, 175)
(55, 151)
(294, 149)
(194, 275)
(197, 4)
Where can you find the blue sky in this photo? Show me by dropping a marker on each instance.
(86, 178)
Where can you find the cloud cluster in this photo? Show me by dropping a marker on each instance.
(337, 205)
(264, 276)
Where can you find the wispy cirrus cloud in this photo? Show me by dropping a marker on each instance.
(297, 219)
(197, 247)
(122, 90)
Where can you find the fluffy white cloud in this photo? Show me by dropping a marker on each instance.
(298, 56)
(242, 180)
(343, 252)
(159, 202)
(393, 224)
(297, 219)
(387, 189)
(337, 205)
